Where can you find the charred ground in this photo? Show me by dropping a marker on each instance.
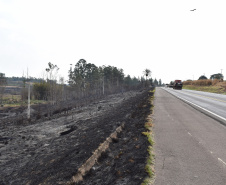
(51, 151)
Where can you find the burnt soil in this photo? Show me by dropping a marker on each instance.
(51, 151)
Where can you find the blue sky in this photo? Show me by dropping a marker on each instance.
(163, 36)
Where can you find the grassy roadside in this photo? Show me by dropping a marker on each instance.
(212, 89)
(149, 168)
(213, 86)
(15, 101)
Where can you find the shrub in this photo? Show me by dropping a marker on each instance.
(40, 90)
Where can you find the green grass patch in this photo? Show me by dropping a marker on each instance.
(149, 168)
(149, 136)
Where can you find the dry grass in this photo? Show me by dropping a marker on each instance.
(214, 86)
(202, 82)
(11, 97)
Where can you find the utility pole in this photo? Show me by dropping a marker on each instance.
(29, 99)
(103, 85)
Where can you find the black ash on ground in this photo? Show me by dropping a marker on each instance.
(51, 152)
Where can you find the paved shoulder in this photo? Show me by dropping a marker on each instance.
(190, 146)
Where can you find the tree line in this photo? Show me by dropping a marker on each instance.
(86, 83)
(85, 80)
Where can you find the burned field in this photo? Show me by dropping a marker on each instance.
(52, 151)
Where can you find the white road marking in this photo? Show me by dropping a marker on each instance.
(200, 107)
(219, 159)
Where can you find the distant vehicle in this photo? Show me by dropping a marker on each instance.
(177, 84)
(170, 85)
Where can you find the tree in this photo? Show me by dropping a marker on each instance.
(135, 81)
(128, 80)
(203, 77)
(40, 90)
(160, 82)
(147, 73)
(51, 69)
(217, 76)
(151, 81)
(155, 82)
(86, 79)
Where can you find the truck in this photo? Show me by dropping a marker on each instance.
(177, 84)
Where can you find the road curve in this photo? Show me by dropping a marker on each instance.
(189, 146)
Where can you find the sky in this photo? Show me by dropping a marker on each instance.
(161, 35)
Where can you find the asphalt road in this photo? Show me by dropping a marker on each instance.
(190, 147)
(214, 104)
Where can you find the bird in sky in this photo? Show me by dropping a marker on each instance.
(193, 10)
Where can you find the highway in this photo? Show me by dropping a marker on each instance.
(214, 104)
(190, 137)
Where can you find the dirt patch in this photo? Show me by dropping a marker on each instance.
(52, 151)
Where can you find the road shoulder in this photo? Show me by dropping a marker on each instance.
(180, 158)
